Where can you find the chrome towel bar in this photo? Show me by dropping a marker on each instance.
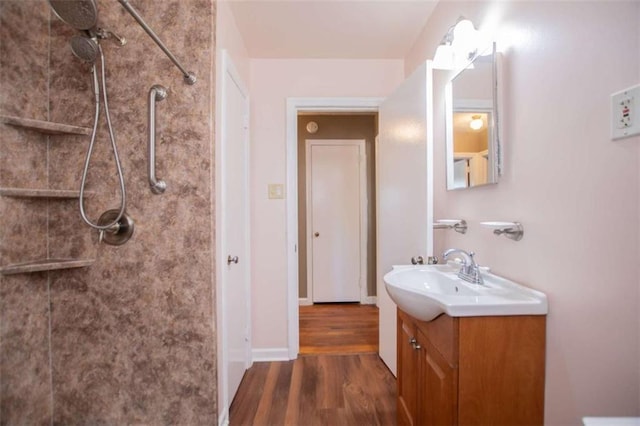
(156, 94)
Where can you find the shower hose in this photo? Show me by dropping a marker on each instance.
(113, 226)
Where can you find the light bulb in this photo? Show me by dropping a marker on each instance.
(464, 30)
(476, 122)
(443, 58)
(464, 40)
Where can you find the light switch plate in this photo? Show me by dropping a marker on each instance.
(276, 191)
(625, 113)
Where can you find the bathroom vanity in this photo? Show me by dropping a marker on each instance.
(475, 370)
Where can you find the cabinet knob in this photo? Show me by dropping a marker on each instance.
(414, 343)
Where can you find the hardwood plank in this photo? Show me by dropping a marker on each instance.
(338, 329)
(245, 403)
(317, 390)
(383, 383)
(293, 402)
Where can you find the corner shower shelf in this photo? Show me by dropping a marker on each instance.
(61, 194)
(46, 127)
(44, 265)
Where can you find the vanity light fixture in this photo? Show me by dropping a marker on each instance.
(458, 46)
(476, 122)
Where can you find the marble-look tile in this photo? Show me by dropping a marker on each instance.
(23, 158)
(134, 347)
(133, 336)
(24, 57)
(69, 237)
(25, 376)
(23, 231)
(25, 388)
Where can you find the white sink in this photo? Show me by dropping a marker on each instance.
(426, 291)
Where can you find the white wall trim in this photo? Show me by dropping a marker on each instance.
(295, 105)
(223, 419)
(304, 301)
(370, 300)
(271, 354)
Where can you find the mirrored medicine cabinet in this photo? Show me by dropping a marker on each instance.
(473, 146)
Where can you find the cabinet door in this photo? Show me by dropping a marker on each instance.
(437, 391)
(407, 372)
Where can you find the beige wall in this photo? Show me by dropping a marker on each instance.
(575, 191)
(471, 141)
(337, 127)
(131, 339)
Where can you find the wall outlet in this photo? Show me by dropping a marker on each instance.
(625, 113)
(276, 191)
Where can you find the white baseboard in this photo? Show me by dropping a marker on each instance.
(370, 300)
(270, 354)
(223, 420)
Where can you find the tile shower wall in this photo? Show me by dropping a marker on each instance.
(25, 375)
(130, 339)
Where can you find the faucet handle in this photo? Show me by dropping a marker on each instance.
(417, 260)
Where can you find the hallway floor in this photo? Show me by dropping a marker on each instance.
(338, 328)
(338, 378)
(337, 390)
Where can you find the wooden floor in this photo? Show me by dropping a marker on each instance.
(349, 390)
(338, 329)
(338, 379)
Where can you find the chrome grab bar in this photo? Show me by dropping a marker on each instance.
(156, 94)
(189, 77)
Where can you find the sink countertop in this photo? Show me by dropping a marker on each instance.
(426, 291)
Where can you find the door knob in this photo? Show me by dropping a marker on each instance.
(231, 260)
(317, 234)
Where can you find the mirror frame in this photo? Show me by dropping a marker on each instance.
(495, 163)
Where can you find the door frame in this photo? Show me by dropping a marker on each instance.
(294, 106)
(360, 143)
(227, 73)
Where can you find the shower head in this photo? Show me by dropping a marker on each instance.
(80, 14)
(85, 48)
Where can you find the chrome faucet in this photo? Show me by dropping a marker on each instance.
(469, 270)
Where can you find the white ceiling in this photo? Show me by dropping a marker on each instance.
(355, 29)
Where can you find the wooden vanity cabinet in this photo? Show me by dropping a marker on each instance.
(471, 370)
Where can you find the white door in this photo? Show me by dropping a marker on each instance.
(404, 170)
(334, 193)
(233, 258)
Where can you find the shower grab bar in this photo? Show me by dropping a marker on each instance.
(189, 77)
(156, 94)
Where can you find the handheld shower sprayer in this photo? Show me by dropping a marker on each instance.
(115, 226)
